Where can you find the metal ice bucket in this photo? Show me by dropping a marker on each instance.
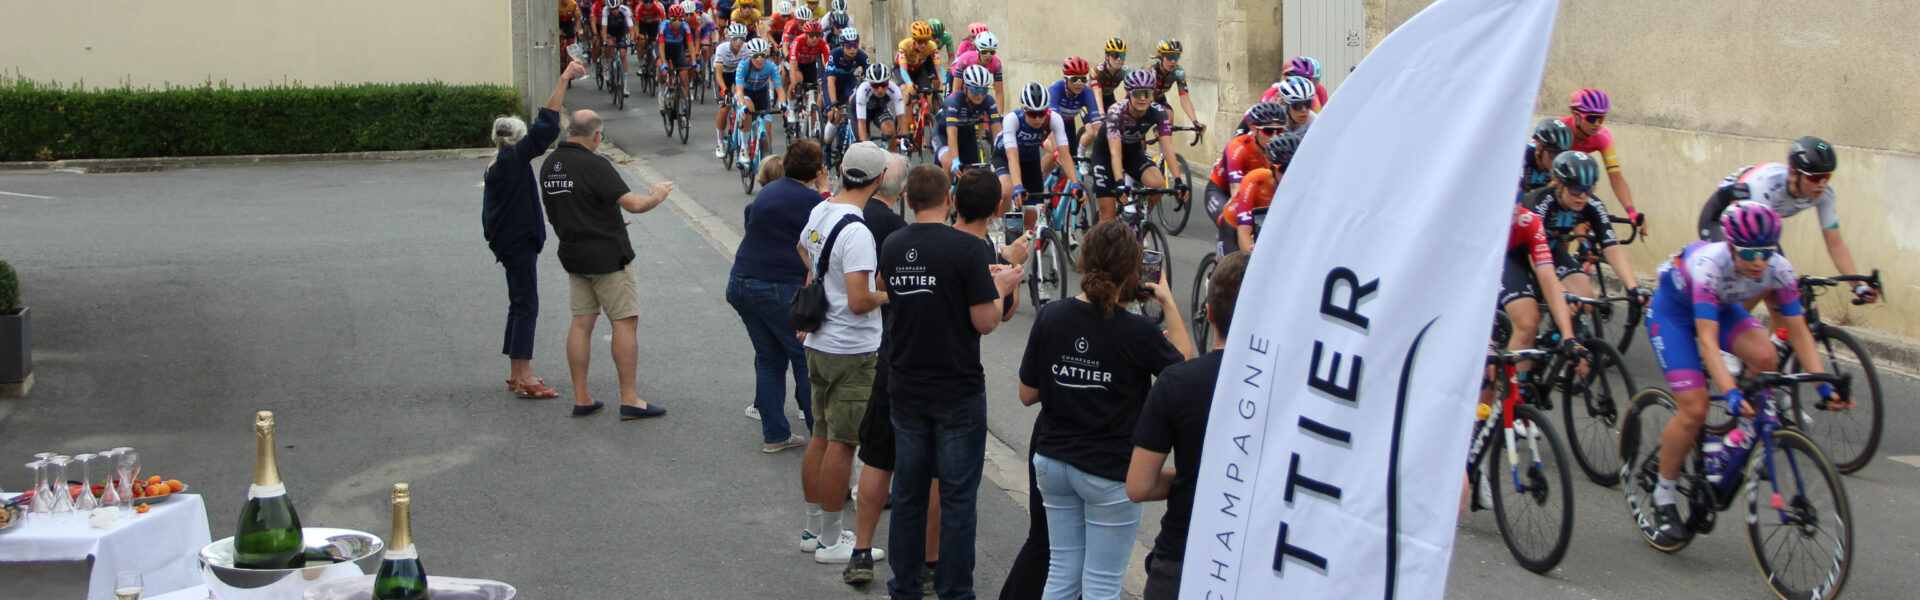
(351, 553)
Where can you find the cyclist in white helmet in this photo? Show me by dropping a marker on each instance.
(963, 116)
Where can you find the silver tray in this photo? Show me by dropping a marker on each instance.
(442, 588)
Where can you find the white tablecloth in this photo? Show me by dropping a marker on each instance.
(198, 592)
(163, 545)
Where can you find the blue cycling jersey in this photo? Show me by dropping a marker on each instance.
(675, 32)
(957, 112)
(1070, 106)
(757, 79)
(843, 65)
(1533, 178)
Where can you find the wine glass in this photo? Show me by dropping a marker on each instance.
(110, 493)
(42, 502)
(57, 484)
(85, 502)
(128, 463)
(127, 585)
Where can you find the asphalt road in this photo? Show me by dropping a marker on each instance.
(1607, 559)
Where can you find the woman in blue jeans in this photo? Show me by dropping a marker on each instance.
(767, 271)
(1089, 364)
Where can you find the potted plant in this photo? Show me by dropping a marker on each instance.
(16, 334)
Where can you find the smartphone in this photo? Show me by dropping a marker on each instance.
(1150, 263)
(1015, 226)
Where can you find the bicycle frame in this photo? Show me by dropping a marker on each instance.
(1505, 363)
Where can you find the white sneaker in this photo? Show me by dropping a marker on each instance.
(720, 151)
(793, 441)
(753, 412)
(840, 553)
(808, 541)
(1486, 488)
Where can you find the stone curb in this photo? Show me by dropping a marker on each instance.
(90, 164)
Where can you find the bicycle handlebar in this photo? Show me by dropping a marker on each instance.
(1513, 357)
(1873, 281)
(1752, 383)
(1198, 133)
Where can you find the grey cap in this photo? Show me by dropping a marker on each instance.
(864, 163)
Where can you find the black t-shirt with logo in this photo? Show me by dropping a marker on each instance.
(935, 274)
(1175, 421)
(582, 193)
(1093, 373)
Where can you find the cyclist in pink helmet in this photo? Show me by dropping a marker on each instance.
(1305, 66)
(1590, 107)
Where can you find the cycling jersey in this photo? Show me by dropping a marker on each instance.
(1559, 219)
(617, 21)
(1085, 104)
(789, 29)
(805, 50)
(1700, 283)
(1015, 133)
(1256, 191)
(1164, 81)
(944, 41)
(1529, 237)
(1600, 143)
(970, 58)
(1532, 177)
(568, 10)
(841, 65)
(1242, 155)
(1108, 80)
(957, 112)
(757, 79)
(864, 96)
(745, 16)
(912, 53)
(1132, 129)
(729, 57)
(965, 46)
(649, 13)
(1767, 182)
(675, 32)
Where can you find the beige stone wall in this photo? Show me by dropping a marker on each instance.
(253, 43)
(1700, 89)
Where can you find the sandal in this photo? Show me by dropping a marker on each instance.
(538, 390)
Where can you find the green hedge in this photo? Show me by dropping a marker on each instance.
(41, 121)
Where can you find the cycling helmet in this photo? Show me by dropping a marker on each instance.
(977, 76)
(1267, 113)
(1304, 66)
(736, 31)
(811, 27)
(1116, 46)
(1576, 168)
(877, 73)
(1751, 224)
(1554, 133)
(1075, 66)
(1035, 98)
(757, 47)
(839, 19)
(803, 13)
(1296, 89)
(1169, 46)
(675, 12)
(1141, 79)
(1812, 155)
(849, 35)
(976, 28)
(920, 31)
(1280, 149)
(938, 26)
(839, 5)
(1590, 101)
(986, 41)
(783, 8)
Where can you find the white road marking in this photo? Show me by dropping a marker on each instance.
(27, 195)
(1911, 461)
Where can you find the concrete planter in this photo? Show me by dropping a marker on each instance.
(16, 346)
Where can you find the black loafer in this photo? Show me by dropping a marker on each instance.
(629, 413)
(581, 411)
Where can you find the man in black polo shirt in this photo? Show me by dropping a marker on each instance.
(583, 194)
(1174, 419)
(946, 293)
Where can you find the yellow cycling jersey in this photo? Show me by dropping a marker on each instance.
(745, 14)
(913, 53)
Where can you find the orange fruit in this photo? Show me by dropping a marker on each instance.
(153, 480)
(174, 485)
(142, 508)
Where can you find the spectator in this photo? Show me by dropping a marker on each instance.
(584, 193)
(978, 220)
(842, 353)
(876, 429)
(1175, 420)
(766, 274)
(772, 169)
(946, 293)
(515, 229)
(1089, 364)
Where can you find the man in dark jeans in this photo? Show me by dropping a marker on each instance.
(946, 293)
(1174, 419)
(584, 195)
(516, 231)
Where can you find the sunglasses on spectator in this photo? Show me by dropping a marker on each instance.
(1592, 117)
(1080, 79)
(1815, 177)
(1141, 94)
(1272, 130)
(1762, 253)
(1307, 105)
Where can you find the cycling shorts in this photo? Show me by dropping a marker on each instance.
(1031, 175)
(1516, 280)
(810, 73)
(677, 56)
(566, 28)
(1229, 232)
(1073, 135)
(1670, 329)
(762, 99)
(1105, 184)
(967, 148)
(1564, 264)
(923, 76)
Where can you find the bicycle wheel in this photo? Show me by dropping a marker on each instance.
(1593, 411)
(1048, 282)
(686, 120)
(1172, 212)
(668, 105)
(1535, 511)
(1151, 238)
(1077, 231)
(1197, 320)
(752, 167)
(1849, 437)
(1640, 430)
(1802, 534)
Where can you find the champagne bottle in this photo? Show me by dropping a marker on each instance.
(401, 576)
(269, 533)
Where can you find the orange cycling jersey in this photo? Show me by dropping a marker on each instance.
(1241, 158)
(914, 53)
(1256, 191)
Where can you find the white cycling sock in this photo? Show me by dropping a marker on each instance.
(830, 532)
(814, 518)
(1663, 495)
(719, 136)
(830, 129)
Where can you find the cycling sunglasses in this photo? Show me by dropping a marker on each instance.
(1306, 105)
(1593, 117)
(1272, 130)
(1815, 177)
(760, 55)
(1078, 79)
(988, 52)
(1171, 57)
(1119, 55)
(1140, 94)
(1035, 114)
(1579, 189)
(1764, 253)
(980, 91)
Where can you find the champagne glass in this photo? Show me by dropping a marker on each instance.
(85, 502)
(110, 493)
(57, 485)
(42, 502)
(127, 462)
(127, 585)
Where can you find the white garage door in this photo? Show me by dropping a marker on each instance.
(1332, 31)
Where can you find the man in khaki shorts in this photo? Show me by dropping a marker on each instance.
(584, 194)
